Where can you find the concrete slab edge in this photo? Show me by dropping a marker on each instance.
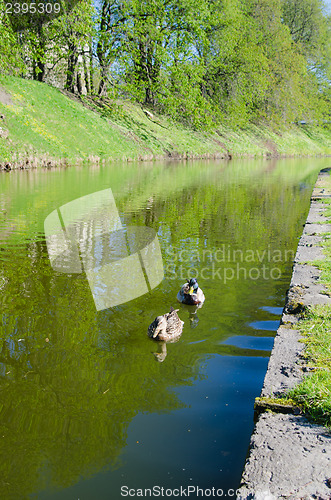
(289, 456)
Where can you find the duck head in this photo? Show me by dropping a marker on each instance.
(193, 286)
(161, 326)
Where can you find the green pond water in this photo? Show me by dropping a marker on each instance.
(86, 406)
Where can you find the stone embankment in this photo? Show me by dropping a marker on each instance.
(290, 457)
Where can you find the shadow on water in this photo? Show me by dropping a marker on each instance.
(84, 405)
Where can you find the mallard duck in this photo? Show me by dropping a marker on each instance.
(190, 293)
(167, 327)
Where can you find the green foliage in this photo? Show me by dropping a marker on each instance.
(237, 73)
(68, 36)
(62, 40)
(151, 38)
(313, 393)
(310, 30)
(266, 83)
(308, 25)
(182, 98)
(203, 63)
(10, 56)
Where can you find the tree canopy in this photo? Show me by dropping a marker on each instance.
(202, 63)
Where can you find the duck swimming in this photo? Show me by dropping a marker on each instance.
(190, 293)
(167, 327)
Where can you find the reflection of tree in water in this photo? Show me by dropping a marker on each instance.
(66, 403)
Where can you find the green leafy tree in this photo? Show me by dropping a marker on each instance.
(202, 63)
(69, 35)
(111, 20)
(10, 55)
(286, 66)
(59, 40)
(308, 25)
(310, 29)
(254, 70)
(148, 39)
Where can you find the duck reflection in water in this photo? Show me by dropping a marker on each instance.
(161, 356)
(192, 314)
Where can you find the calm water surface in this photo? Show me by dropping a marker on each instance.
(85, 405)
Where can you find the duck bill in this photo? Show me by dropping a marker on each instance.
(191, 290)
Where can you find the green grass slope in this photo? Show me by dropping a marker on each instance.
(43, 125)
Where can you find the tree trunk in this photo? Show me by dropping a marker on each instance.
(103, 82)
(40, 49)
(91, 69)
(38, 70)
(87, 75)
(71, 68)
(103, 47)
(79, 83)
(149, 96)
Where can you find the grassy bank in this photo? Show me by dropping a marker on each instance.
(314, 393)
(41, 125)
